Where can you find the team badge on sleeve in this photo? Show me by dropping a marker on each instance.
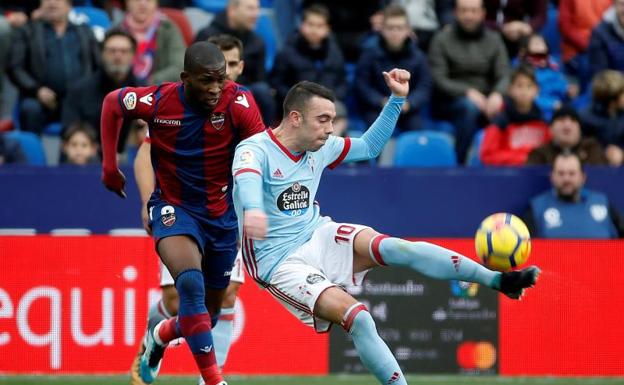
(217, 119)
(167, 216)
(246, 158)
(130, 100)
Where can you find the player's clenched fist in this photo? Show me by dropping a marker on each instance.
(114, 180)
(398, 81)
(255, 224)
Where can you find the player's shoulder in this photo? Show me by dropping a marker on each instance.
(240, 97)
(133, 97)
(257, 140)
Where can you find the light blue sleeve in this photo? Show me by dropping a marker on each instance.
(369, 145)
(247, 168)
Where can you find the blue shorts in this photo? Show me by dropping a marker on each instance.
(215, 237)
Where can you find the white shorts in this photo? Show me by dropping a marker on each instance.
(326, 260)
(238, 273)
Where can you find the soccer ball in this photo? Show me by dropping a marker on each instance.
(503, 242)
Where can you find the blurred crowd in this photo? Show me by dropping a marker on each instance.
(494, 82)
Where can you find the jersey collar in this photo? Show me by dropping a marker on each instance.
(294, 158)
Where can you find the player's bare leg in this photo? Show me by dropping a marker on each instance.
(182, 257)
(372, 249)
(339, 307)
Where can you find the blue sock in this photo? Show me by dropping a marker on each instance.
(432, 261)
(373, 351)
(222, 335)
(195, 325)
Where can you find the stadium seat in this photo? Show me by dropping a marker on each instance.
(424, 149)
(31, 146)
(474, 159)
(198, 18)
(267, 30)
(213, 6)
(95, 17)
(180, 19)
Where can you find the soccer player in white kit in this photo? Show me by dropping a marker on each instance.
(304, 259)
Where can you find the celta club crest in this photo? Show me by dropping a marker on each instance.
(217, 119)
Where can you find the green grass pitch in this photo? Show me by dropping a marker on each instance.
(333, 379)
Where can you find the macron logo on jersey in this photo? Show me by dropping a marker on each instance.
(242, 100)
(206, 349)
(168, 122)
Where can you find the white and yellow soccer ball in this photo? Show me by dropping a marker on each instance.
(503, 242)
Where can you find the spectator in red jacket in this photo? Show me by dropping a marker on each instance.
(519, 128)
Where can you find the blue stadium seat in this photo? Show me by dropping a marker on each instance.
(94, 16)
(31, 145)
(213, 6)
(473, 159)
(267, 30)
(424, 149)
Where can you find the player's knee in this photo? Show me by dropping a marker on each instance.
(190, 286)
(170, 299)
(357, 319)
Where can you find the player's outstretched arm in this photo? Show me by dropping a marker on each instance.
(111, 120)
(398, 81)
(145, 180)
(371, 143)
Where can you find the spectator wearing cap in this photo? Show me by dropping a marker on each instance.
(569, 210)
(604, 117)
(565, 128)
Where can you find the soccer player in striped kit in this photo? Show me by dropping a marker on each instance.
(194, 126)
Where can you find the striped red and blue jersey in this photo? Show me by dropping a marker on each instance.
(192, 151)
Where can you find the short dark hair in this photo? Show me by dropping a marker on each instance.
(119, 32)
(394, 10)
(300, 93)
(316, 9)
(523, 70)
(567, 153)
(227, 42)
(80, 126)
(202, 54)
